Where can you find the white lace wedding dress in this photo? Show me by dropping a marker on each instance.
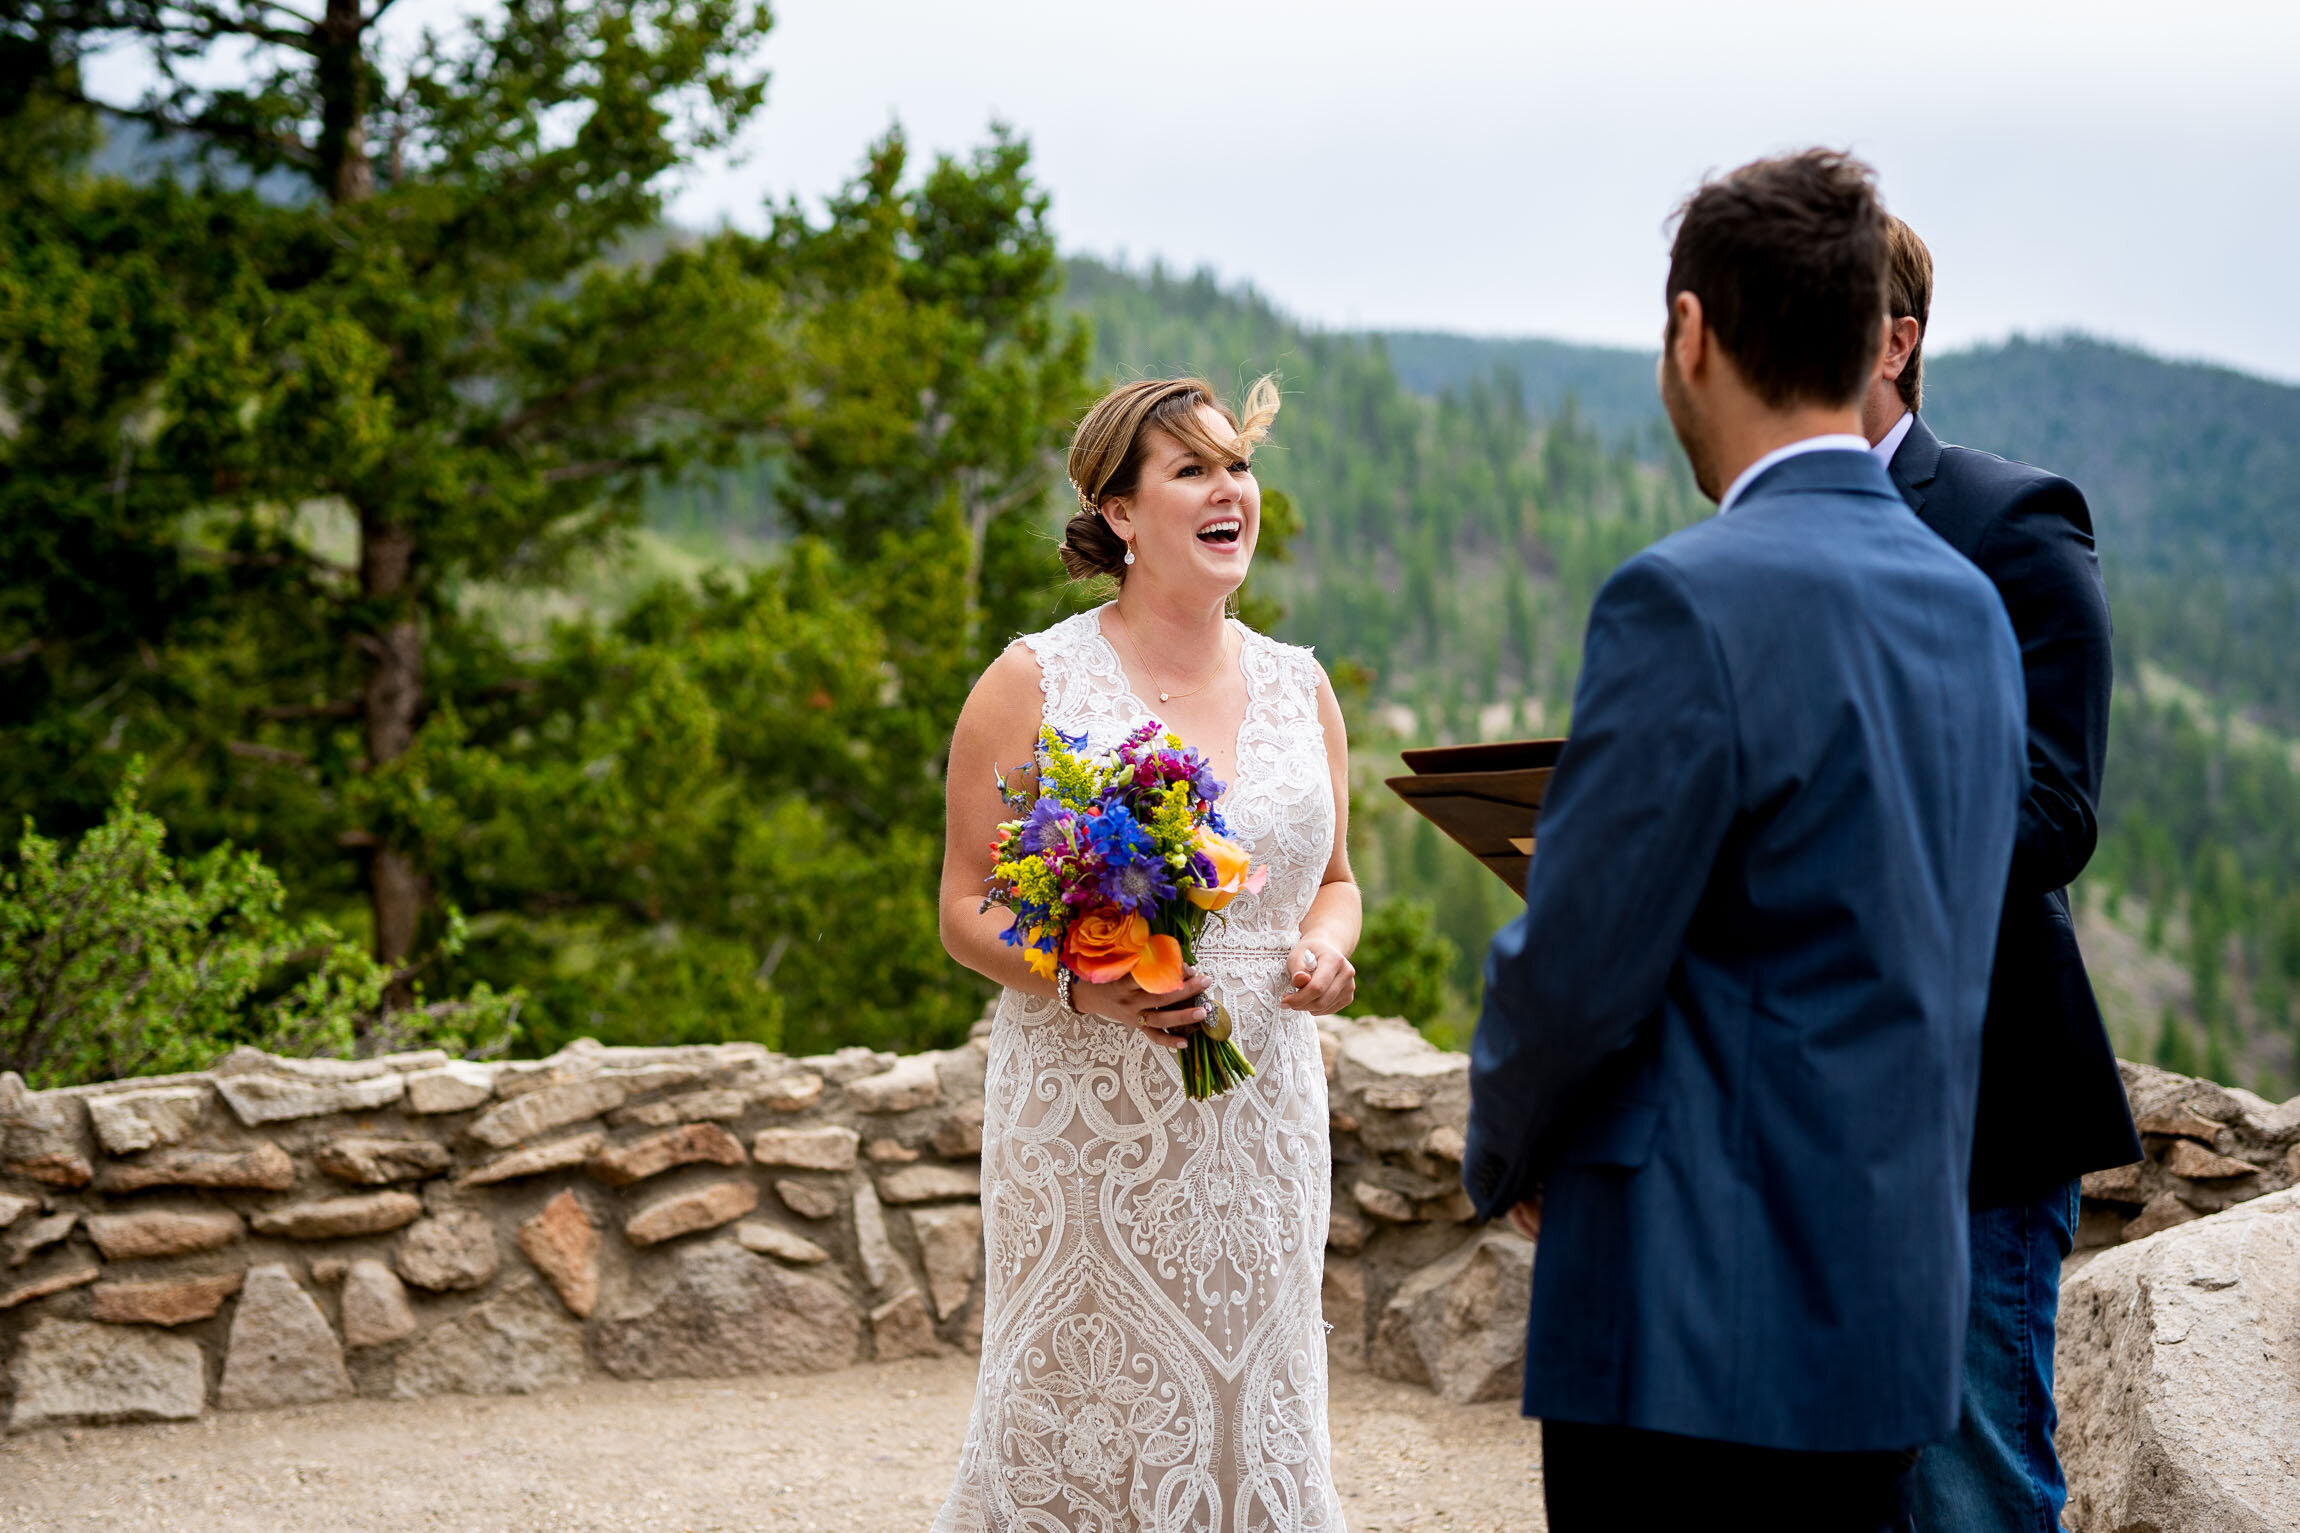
(1153, 1347)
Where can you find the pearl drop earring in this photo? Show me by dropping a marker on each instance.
(1130, 554)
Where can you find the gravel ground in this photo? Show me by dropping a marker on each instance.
(869, 1450)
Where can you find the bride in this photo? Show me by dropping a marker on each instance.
(1153, 1349)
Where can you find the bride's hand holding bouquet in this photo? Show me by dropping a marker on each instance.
(1111, 869)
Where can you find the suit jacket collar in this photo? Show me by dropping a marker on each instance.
(1842, 471)
(1918, 460)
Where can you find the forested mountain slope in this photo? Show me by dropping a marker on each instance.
(1464, 497)
(2193, 472)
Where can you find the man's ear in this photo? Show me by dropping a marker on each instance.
(1901, 337)
(1689, 335)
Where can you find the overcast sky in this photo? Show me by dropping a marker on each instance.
(1504, 167)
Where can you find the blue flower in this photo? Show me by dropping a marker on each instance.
(1133, 876)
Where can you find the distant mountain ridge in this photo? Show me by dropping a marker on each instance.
(2192, 471)
(1610, 387)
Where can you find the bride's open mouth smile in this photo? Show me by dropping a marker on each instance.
(1222, 534)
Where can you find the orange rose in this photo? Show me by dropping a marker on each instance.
(1104, 945)
(1234, 872)
(1107, 945)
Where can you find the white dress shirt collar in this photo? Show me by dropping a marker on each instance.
(1893, 438)
(1835, 441)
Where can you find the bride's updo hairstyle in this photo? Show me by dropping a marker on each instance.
(1106, 454)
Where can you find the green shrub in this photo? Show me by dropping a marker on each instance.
(119, 960)
(1402, 962)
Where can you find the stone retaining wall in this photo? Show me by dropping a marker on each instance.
(2209, 1147)
(279, 1231)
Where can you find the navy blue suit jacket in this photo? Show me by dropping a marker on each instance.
(2052, 1101)
(1737, 1031)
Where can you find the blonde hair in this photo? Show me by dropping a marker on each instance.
(1909, 291)
(1106, 454)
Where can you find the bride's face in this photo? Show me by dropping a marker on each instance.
(1192, 522)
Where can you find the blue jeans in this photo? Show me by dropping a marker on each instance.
(1997, 1473)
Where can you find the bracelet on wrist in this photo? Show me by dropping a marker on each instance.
(1062, 987)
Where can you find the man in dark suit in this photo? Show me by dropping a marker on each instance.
(2052, 1105)
(1734, 1041)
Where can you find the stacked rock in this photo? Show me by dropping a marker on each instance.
(2209, 1147)
(306, 1230)
(278, 1231)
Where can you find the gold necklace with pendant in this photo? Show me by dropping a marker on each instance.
(1165, 696)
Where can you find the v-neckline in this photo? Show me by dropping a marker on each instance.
(1144, 710)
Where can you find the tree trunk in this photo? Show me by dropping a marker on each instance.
(390, 704)
(393, 697)
(343, 103)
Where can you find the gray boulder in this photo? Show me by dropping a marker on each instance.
(281, 1350)
(727, 1311)
(69, 1370)
(518, 1341)
(452, 1250)
(1458, 1325)
(2176, 1380)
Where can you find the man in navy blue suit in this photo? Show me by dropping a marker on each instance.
(2052, 1103)
(1729, 1054)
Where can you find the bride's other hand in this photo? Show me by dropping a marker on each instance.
(1324, 981)
(1165, 1017)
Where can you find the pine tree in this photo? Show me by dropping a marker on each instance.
(352, 353)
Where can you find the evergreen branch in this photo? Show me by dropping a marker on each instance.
(552, 404)
(341, 708)
(276, 558)
(270, 755)
(286, 145)
(209, 24)
(598, 468)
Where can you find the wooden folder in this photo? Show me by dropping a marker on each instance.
(1487, 797)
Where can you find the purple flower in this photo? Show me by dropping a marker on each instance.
(1133, 876)
(1048, 826)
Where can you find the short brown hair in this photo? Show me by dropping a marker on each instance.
(1788, 259)
(1909, 295)
(1106, 454)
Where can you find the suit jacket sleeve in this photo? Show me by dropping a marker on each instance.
(2039, 553)
(1640, 802)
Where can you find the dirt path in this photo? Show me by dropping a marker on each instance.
(869, 1450)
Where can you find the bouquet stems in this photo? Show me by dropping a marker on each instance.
(1209, 1061)
(1210, 1065)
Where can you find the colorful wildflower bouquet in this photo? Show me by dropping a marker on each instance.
(1113, 866)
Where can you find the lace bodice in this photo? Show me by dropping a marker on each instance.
(1153, 1351)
